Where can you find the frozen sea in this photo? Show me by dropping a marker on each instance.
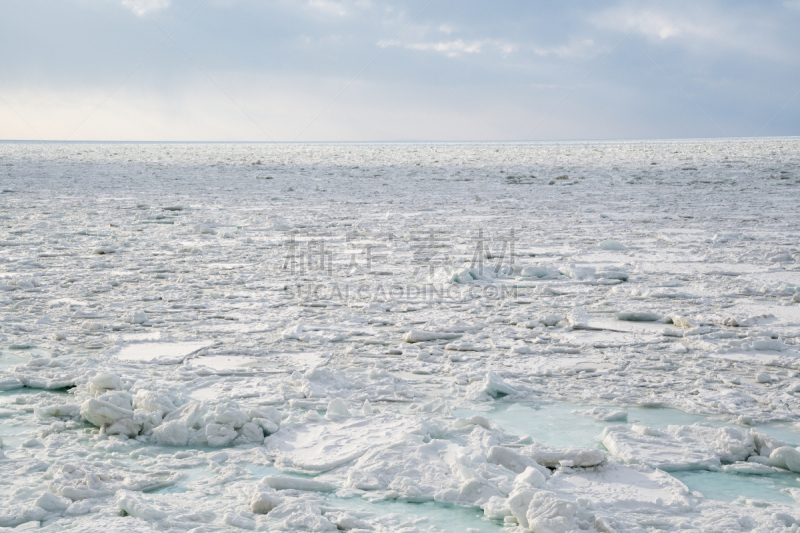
(411, 337)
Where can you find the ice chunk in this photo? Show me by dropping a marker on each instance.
(153, 401)
(159, 352)
(135, 317)
(366, 409)
(612, 272)
(263, 502)
(190, 414)
(672, 332)
(228, 413)
(785, 457)
(300, 514)
(102, 382)
(492, 386)
(764, 377)
(101, 413)
(463, 276)
(61, 410)
(536, 477)
(518, 503)
(765, 444)
(603, 414)
(768, 344)
(695, 447)
(725, 237)
(730, 444)
(547, 513)
(239, 521)
(474, 420)
(539, 271)
(132, 503)
(514, 461)
(749, 468)
(268, 413)
(416, 335)
(279, 482)
(82, 480)
(576, 457)
(464, 346)
(550, 320)
(50, 502)
(124, 426)
(638, 316)
(220, 434)
(320, 446)
(9, 383)
(337, 410)
(576, 272)
(173, 433)
(683, 322)
(347, 521)
(612, 245)
(520, 348)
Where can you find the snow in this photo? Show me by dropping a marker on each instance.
(347, 346)
(161, 352)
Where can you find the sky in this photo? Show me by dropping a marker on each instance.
(401, 70)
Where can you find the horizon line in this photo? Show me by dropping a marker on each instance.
(405, 141)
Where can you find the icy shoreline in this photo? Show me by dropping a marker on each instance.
(299, 337)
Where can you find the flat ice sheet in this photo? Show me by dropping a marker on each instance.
(159, 352)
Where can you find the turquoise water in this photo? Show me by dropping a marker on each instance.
(12, 358)
(785, 431)
(556, 424)
(190, 476)
(14, 432)
(726, 487)
(262, 471)
(398, 514)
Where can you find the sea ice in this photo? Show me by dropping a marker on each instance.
(343, 337)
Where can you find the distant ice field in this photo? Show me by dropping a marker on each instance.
(404, 337)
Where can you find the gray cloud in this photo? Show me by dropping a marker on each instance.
(451, 70)
(145, 7)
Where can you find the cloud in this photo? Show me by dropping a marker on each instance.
(792, 4)
(338, 7)
(701, 27)
(458, 47)
(497, 68)
(577, 49)
(146, 7)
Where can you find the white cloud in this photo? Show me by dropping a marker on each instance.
(450, 48)
(146, 7)
(458, 47)
(575, 49)
(333, 8)
(792, 4)
(338, 7)
(703, 27)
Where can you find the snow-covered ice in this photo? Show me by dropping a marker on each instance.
(400, 337)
